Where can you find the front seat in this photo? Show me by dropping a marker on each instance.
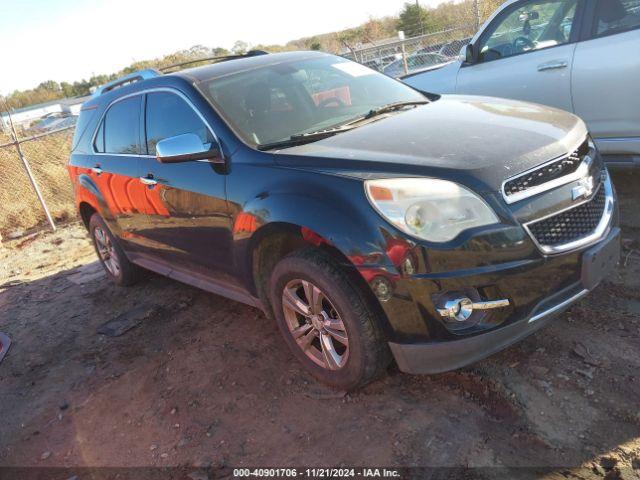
(258, 106)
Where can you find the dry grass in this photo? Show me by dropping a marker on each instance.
(20, 209)
(4, 138)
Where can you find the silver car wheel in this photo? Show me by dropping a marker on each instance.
(106, 251)
(315, 324)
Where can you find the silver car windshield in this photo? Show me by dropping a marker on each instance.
(274, 103)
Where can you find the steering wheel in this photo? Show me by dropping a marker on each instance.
(521, 43)
(332, 100)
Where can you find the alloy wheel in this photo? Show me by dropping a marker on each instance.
(106, 251)
(315, 324)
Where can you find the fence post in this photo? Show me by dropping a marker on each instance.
(32, 179)
(404, 52)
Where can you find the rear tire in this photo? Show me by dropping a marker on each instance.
(113, 259)
(335, 334)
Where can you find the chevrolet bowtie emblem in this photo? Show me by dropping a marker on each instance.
(584, 189)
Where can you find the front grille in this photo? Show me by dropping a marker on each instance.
(571, 225)
(547, 173)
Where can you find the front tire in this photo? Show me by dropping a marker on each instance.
(113, 259)
(326, 321)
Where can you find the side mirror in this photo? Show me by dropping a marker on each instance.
(186, 148)
(469, 54)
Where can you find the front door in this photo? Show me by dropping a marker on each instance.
(116, 169)
(190, 228)
(606, 77)
(526, 53)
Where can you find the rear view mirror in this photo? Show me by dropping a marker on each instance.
(185, 148)
(529, 16)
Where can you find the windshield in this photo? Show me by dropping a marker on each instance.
(273, 103)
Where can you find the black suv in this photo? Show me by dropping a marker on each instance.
(369, 219)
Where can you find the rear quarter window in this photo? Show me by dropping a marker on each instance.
(85, 118)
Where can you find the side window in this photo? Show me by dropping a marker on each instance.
(168, 115)
(122, 127)
(532, 26)
(83, 122)
(615, 16)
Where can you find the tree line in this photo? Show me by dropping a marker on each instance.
(413, 19)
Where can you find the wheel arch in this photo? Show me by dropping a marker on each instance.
(86, 212)
(89, 200)
(274, 241)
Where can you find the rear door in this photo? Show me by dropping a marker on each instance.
(190, 228)
(526, 53)
(116, 167)
(606, 76)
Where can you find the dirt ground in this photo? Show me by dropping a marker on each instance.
(195, 380)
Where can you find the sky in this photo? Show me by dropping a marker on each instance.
(68, 40)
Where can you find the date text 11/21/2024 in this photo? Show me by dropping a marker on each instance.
(316, 473)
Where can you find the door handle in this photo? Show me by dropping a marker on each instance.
(97, 170)
(148, 180)
(552, 66)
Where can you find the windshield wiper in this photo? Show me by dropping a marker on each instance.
(326, 132)
(302, 138)
(392, 107)
(351, 124)
(308, 137)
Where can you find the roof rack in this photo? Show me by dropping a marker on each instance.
(151, 73)
(126, 80)
(222, 58)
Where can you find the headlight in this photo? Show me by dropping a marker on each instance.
(430, 209)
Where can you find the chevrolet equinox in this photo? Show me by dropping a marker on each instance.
(370, 220)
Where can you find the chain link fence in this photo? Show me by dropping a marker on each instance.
(428, 46)
(46, 156)
(404, 56)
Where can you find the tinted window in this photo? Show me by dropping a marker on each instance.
(274, 102)
(122, 127)
(532, 26)
(613, 16)
(83, 122)
(169, 115)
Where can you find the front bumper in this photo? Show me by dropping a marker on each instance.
(440, 356)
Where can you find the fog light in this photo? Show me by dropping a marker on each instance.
(461, 309)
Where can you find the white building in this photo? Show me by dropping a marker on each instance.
(23, 117)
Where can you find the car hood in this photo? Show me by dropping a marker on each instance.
(430, 68)
(477, 141)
